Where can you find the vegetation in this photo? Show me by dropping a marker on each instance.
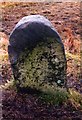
(60, 104)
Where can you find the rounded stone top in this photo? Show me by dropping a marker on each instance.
(30, 30)
(34, 18)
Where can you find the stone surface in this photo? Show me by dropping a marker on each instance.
(37, 54)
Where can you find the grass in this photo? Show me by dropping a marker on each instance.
(58, 97)
(75, 97)
(54, 96)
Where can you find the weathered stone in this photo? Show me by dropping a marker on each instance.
(37, 54)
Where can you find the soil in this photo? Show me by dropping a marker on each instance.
(65, 17)
(17, 106)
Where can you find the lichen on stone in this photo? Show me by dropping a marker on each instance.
(44, 64)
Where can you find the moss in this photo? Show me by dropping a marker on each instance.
(44, 64)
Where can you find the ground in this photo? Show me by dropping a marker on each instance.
(65, 17)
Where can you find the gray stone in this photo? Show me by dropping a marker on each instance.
(37, 54)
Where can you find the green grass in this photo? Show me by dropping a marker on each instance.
(54, 96)
(58, 97)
